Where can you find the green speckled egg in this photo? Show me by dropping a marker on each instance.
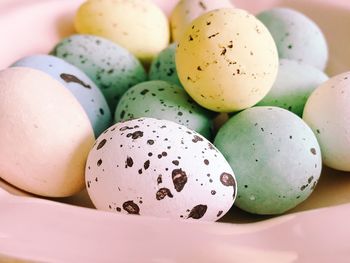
(294, 84)
(113, 68)
(297, 37)
(163, 67)
(163, 100)
(276, 157)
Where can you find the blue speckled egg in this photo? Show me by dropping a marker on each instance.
(84, 90)
(113, 68)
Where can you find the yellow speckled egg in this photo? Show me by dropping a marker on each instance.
(188, 10)
(45, 134)
(227, 60)
(138, 25)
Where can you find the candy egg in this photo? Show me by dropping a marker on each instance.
(163, 67)
(276, 158)
(138, 25)
(111, 67)
(327, 112)
(159, 168)
(294, 84)
(188, 10)
(163, 100)
(84, 90)
(227, 60)
(45, 134)
(297, 36)
(167, 6)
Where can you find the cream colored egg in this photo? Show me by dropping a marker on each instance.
(188, 10)
(45, 135)
(138, 25)
(327, 112)
(227, 60)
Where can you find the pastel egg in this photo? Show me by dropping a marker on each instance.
(294, 84)
(163, 100)
(297, 37)
(167, 6)
(111, 67)
(84, 90)
(276, 158)
(188, 10)
(227, 60)
(163, 67)
(45, 134)
(137, 25)
(159, 168)
(327, 112)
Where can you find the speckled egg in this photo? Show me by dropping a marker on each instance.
(111, 67)
(327, 111)
(227, 60)
(163, 67)
(137, 25)
(188, 10)
(294, 84)
(163, 100)
(84, 90)
(297, 37)
(159, 168)
(45, 134)
(276, 158)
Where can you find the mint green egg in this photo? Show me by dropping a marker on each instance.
(163, 67)
(113, 68)
(164, 100)
(297, 37)
(293, 86)
(276, 158)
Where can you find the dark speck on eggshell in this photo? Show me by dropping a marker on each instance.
(179, 179)
(198, 211)
(131, 208)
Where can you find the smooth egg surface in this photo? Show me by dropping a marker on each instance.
(45, 134)
(137, 25)
(327, 111)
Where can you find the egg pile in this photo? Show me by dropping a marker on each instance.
(126, 107)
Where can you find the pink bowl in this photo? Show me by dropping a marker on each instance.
(33, 229)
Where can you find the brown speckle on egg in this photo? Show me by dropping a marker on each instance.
(131, 208)
(198, 212)
(162, 193)
(68, 78)
(101, 144)
(179, 178)
(227, 179)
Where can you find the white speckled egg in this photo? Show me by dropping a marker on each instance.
(227, 60)
(138, 25)
(45, 134)
(113, 68)
(159, 168)
(276, 157)
(84, 90)
(294, 84)
(188, 10)
(297, 37)
(327, 112)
